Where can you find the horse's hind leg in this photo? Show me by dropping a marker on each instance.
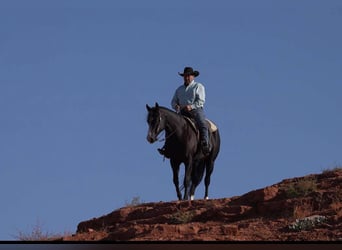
(196, 177)
(175, 171)
(209, 171)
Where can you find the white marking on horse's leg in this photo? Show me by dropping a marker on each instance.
(207, 198)
(192, 197)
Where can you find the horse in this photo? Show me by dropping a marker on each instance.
(182, 146)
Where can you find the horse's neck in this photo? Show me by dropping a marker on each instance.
(173, 122)
(176, 129)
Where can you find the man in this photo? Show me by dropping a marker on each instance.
(189, 99)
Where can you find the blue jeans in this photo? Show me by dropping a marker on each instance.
(199, 117)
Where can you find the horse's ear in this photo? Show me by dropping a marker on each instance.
(157, 105)
(148, 107)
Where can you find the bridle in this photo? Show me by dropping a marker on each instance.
(166, 137)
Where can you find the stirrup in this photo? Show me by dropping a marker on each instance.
(161, 151)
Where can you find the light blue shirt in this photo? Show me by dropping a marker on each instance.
(193, 94)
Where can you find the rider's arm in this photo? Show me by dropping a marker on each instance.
(200, 97)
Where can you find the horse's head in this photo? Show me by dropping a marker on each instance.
(156, 123)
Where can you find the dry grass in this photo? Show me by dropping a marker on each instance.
(37, 233)
(333, 169)
(134, 202)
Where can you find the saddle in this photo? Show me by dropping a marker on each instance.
(211, 125)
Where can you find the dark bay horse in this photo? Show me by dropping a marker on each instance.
(182, 146)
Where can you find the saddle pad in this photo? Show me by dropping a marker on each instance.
(212, 126)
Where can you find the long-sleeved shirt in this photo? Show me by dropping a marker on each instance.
(193, 94)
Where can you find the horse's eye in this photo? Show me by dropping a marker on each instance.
(153, 120)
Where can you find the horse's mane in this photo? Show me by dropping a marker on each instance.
(167, 109)
(170, 111)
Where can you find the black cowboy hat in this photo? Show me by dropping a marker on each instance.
(189, 71)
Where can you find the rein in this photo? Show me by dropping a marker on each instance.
(167, 137)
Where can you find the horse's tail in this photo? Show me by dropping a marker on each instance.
(196, 174)
(181, 187)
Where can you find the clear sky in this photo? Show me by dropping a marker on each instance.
(75, 77)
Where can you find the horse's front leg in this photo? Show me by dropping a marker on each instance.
(175, 170)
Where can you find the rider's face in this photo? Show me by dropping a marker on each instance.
(188, 79)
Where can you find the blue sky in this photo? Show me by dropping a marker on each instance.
(75, 77)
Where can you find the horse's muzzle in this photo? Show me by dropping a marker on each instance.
(151, 139)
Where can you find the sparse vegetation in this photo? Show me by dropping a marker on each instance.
(182, 217)
(328, 170)
(301, 188)
(307, 223)
(38, 234)
(134, 202)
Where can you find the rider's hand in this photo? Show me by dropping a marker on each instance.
(188, 108)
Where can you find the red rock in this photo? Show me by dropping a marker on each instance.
(264, 214)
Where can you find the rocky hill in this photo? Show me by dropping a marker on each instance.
(307, 208)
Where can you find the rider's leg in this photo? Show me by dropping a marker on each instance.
(199, 117)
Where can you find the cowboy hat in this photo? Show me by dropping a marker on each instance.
(189, 71)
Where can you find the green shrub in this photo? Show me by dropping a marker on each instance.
(182, 217)
(301, 188)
